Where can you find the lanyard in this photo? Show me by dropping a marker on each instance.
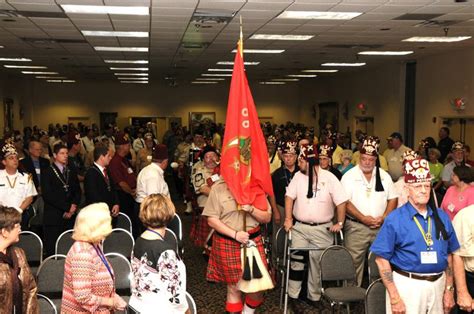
(426, 236)
(153, 231)
(104, 260)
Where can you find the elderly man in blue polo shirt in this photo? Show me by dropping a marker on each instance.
(414, 250)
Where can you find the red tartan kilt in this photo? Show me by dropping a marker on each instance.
(199, 229)
(225, 263)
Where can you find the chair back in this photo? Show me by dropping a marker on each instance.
(50, 276)
(280, 243)
(176, 226)
(375, 298)
(124, 222)
(336, 264)
(191, 303)
(175, 238)
(122, 271)
(372, 268)
(46, 306)
(119, 241)
(31, 243)
(64, 242)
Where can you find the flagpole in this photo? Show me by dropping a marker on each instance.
(241, 40)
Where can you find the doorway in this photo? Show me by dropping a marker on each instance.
(365, 124)
(461, 129)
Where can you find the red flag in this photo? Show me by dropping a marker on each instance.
(244, 163)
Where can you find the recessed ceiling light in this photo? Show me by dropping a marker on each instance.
(133, 78)
(11, 66)
(232, 63)
(302, 75)
(318, 15)
(39, 72)
(439, 39)
(204, 82)
(347, 64)
(220, 70)
(127, 61)
(281, 37)
(134, 82)
(216, 74)
(261, 50)
(272, 83)
(124, 49)
(131, 74)
(51, 77)
(115, 34)
(286, 80)
(105, 9)
(320, 71)
(16, 59)
(385, 53)
(61, 81)
(209, 79)
(129, 69)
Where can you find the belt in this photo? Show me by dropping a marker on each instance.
(312, 223)
(353, 219)
(251, 235)
(418, 277)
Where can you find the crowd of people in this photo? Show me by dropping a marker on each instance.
(404, 205)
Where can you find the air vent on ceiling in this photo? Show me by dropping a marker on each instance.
(51, 41)
(212, 16)
(14, 13)
(436, 23)
(417, 17)
(354, 46)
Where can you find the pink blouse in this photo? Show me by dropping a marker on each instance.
(454, 200)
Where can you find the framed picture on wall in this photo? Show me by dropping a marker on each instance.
(201, 120)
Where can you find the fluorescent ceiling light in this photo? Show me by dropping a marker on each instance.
(129, 69)
(105, 9)
(134, 82)
(216, 74)
(220, 70)
(318, 15)
(281, 37)
(16, 59)
(209, 79)
(127, 61)
(204, 82)
(385, 53)
(272, 83)
(2, 47)
(133, 78)
(61, 81)
(131, 74)
(334, 64)
(51, 77)
(261, 50)
(115, 34)
(232, 63)
(11, 66)
(438, 39)
(123, 49)
(320, 71)
(39, 72)
(302, 75)
(286, 80)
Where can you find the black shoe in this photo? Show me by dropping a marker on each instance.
(315, 304)
(295, 306)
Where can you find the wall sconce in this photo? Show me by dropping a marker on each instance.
(362, 107)
(459, 104)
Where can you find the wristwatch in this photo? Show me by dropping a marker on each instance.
(340, 223)
(450, 288)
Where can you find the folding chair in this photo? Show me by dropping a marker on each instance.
(119, 241)
(281, 242)
(50, 278)
(124, 222)
(122, 271)
(46, 306)
(175, 238)
(191, 303)
(336, 265)
(31, 243)
(373, 269)
(64, 242)
(375, 298)
(176, 226)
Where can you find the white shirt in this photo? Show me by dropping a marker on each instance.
(88, 144)
(362, 194)
(138, 144)
(448, 171)
(15, 189)
(150, 181)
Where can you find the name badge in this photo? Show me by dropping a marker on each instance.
(38, 170)
(215, 177)
(129, 170)
(429, 257)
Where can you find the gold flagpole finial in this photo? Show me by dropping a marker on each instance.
(241, 40)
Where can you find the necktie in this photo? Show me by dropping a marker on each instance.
(105, 175)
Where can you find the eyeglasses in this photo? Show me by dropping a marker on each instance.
(426, 186)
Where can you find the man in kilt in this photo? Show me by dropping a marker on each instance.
(225, 264)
